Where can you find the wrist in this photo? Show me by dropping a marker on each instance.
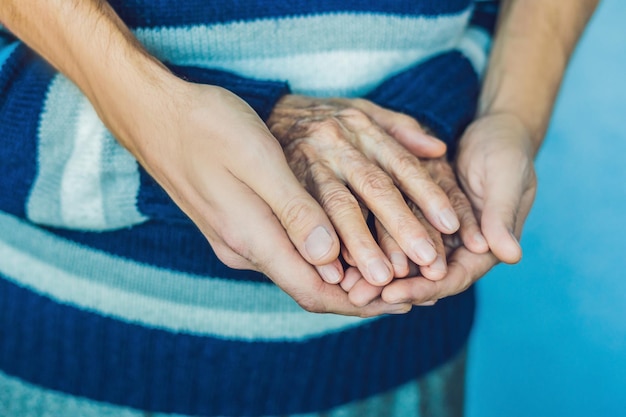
(495, 131)
(531, 133)
(133, 98)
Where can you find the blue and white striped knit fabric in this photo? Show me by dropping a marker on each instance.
(112, 303)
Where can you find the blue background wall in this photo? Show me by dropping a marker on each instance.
(550, 338)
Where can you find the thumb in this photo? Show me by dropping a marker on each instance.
(503, 194)
(304, 220)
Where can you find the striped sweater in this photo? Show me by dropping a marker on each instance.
(112, 302)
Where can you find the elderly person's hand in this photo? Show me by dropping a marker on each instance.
(204, 145)
(347, 151)
(495, 167)
(362, 293)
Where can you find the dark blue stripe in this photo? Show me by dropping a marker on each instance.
(261, 95)
(174, 245)
(80, 353)
(485, 15)
(441, 93)
(24, 81)
(154, 13)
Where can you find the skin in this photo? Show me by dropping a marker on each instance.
(342, 156)
(532, 46)
(468, 236)
(205, 147)
(198, 141)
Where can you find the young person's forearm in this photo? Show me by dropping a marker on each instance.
(533, 44)
(88, 42)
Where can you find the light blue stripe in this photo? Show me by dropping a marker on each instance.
(324, 55)
(6, 49)
(475, 45)
(18, 398)
(107, 285)
(267, 38)
(56, 141)
(120, 185)
(85, 180)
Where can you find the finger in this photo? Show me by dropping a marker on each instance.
(499, 217)
(332, 273)
(405, 129)
(360, 292)
(381, 196)
(405, 170)
(437, 270)
(416, 182)
(363, 293)
(261, 239)
(469, 229)
(394, 252)
(351, 277)
(345, 253)
(303, 219)
(464, 268)
(345, 213)
(347, 256)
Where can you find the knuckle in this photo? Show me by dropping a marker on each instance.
(354, 115)
(411, 174)
(295, 214)
(338, 201)
(328, 127)
(376, 184)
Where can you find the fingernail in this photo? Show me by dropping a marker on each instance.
(427, 304)
(319, 243)
(379, 272)
(425, 250)
(480, 239)
(398, 260)
(449, 220)
(515, 239)
(329, 273)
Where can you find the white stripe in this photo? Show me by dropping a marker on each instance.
(81, 194)
(104, 296)
(335, 73)
(85, 179)
(475, 46)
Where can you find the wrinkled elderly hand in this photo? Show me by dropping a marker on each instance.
(362, 293)
(221, 165)
(495, 167)
(347, 151)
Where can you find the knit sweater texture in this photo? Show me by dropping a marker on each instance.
(113, 303)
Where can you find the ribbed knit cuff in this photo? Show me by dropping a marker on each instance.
(261, 95)
(485, 15)
(440, 93)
